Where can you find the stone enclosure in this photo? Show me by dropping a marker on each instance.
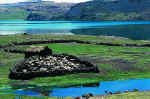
(41, 62)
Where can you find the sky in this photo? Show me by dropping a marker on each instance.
(15, 1)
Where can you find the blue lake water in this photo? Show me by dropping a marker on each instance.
(138, 30)
(110, 86)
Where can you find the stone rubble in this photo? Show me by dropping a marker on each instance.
(48, 63)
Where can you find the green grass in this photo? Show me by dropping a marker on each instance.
(129, 95)
(10, 96)
(140, 56)
(81, 50)
(137, 58)
(4, 40)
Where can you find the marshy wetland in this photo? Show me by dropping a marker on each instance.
(114, 62)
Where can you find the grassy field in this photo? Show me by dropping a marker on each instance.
(115, 63)
(130, 95)
(5, 39)
(10, 96)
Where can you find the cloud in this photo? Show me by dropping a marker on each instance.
(11, 1)
(69, 1)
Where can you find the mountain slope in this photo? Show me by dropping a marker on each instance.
(96, 10)
(43, 10)
(13, 14)
(111, 10)
(47, 10)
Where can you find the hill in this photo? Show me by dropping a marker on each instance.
(43, 10)
(96, 10)
(111, 10)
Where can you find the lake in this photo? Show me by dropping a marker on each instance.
(96, 89)
(138, 30)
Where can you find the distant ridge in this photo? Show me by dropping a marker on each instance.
(95, 10)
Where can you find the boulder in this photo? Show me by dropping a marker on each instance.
(1, 64)
(49, 65)
(26, 34)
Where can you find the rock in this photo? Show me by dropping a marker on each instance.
(90, 94)
(1, 64)
(78, 97)
(85, 96)
(106, 92)
(118, 92)
(110, 93)
(135, 90)
(50, 65)
(126, 91)
(26, 34)
(38, 50)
